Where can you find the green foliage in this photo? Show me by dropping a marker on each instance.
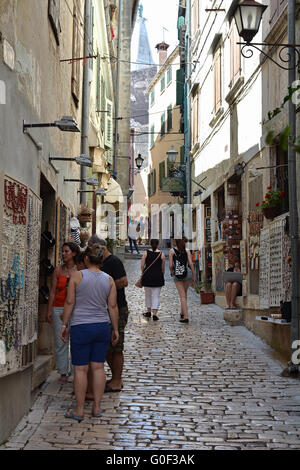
(273, 198)
(284, 139)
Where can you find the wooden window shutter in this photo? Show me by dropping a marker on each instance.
(102, 105)
(274, 12)
(149, 184)
(282, 5)
(162, 173)
(179, 86)
(108, 133)
(195, 118)
(217, 80)
(76, 49)
(152, 136)
(53, 14)
(182, 155)
(235, 54)
(162, 126)
(169, 118)
(98, 89)
(154, 181)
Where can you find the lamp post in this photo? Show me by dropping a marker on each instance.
(247, 28)
(83, 160)
(66, 124)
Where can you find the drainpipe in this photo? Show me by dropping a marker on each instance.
(187, 110)
(116, 127)
(292, 172)
(85, 98)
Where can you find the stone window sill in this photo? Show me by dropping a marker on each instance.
(216, 117)
(230, 97)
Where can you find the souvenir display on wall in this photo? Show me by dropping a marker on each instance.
(75, 230)
(243, 256)
(232, 234)
(264, 268)
(254, 253)
(19, 271)
(256, 222)
(274, 269)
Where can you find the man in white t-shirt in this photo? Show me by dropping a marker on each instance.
(132, 236)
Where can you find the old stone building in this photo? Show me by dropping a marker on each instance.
(231, 96)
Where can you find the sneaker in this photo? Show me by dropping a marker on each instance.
(155, 318)
(147, 314)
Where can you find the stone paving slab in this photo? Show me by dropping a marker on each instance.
(205, 385)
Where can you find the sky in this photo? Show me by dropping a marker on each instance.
(159, 14)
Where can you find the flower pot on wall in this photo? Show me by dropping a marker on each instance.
(271, 212)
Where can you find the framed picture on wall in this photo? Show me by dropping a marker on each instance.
(207, 211)
(207, 222)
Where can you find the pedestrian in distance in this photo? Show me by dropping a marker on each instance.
(133, 234)
(179, 261)
(153, 270)
(91, 300)
(58, 293)
(113, 266)
(233, 289)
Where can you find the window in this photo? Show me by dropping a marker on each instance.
(162, 173)
(195, 17)
(53, 14)
(169, 75)
(217, 79)
(162, 125)
(195, 118)
(76, 52)
(152, 135)
(276, 7)
(169, 118)
(98, 87)
(162, 84)
(152, 183)
(152, 97)
(235, 54)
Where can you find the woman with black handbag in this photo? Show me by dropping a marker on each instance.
(179, 260)
(153, 270)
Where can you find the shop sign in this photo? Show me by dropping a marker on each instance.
(173, 185)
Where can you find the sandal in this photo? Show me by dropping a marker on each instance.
(147, 314)
(69, 414)
(98, 415)
(155, 318)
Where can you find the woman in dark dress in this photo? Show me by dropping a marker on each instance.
(153, 279)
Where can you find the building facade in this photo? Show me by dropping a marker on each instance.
(230, 99)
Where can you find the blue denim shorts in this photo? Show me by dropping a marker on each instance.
(89, 343)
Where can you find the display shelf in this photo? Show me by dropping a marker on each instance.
(279, 321)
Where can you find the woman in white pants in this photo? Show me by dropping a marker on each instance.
(153, 267)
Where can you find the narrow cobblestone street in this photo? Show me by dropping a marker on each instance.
(202, 385)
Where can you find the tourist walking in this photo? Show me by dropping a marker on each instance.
(58, 293)
(153, 270)
(179, 261)
(113, 266)
(91, 295)
(133, 234)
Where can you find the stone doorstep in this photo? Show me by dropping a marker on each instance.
(42, 367)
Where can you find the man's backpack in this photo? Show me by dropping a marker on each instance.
(180, 264)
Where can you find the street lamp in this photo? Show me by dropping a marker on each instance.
(172, 154)
(83, 160)
(139, 161)
(248, 15)
(66, 124)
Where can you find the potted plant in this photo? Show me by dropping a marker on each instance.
(271, 205)
(206, 294)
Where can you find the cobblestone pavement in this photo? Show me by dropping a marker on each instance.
(202, 385)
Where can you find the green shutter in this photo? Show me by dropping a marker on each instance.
(179, 86)
(182, 155)
(149, 186)
(169, 165)
(162, 173)
(154, 181)
(162, 126)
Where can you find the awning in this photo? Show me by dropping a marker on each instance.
(113, 192)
